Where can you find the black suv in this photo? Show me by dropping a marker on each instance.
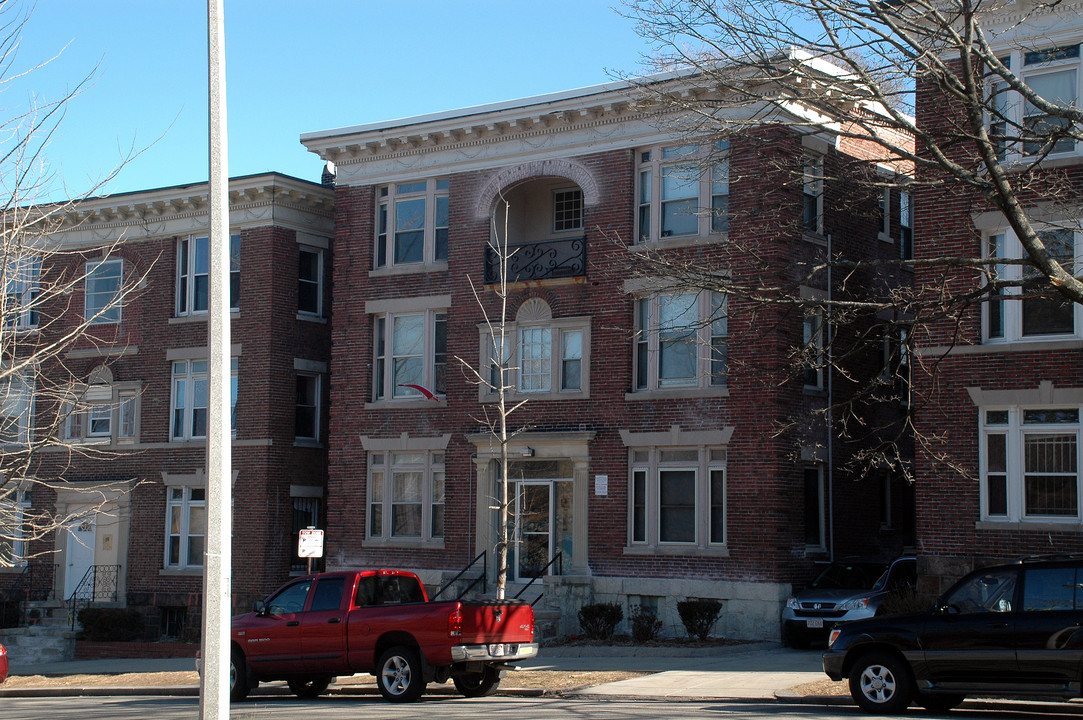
(1012, 629)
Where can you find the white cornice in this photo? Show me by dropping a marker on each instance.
(253, 201)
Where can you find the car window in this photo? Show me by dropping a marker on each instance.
(366, 591)
(328, 594)
(900, 575)
(1052, 588)
(987, 592)
(291, 599)
(398, 589)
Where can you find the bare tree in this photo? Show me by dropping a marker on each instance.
(859, 71)
(54, 297)
(493, 379)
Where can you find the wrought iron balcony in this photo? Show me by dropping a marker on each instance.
(539, 261)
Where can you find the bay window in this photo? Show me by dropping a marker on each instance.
(410, 351)
(186, 527)
(683, 191)
(680, 341)
(677, 497)
(1019, 127)
(1030, 464)
(104, 287)
(543, 355)
(406, 495)
(191, 387)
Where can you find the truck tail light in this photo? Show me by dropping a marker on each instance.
(455, 623)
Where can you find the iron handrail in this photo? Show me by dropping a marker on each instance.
(98, 583)
(484, 557)
(25, 577)
(559, 560)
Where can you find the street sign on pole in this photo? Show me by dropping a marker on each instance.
(310, 545)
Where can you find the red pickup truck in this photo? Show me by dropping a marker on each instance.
(381, 622)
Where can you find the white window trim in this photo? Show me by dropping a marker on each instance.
(189, 245)
(114, 397)
(186, 504)
(813, 344)
(387, 311)
(189, 378)
(821, 546)
(101, 315)
(23, 288)
(1015, 106)
(703, 333)
(708, 459)
(18, 509)
(319, 283)
(1015, 431)
(1013, 309)
(812, 185)
(558, 328)
(707, 159)
(553, 203)
(26, 404)
(381, 462)
(318, 409)
(385, 203)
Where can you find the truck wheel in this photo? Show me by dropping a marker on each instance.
(399, 674)
(238, 676)
(881, 684)
(308, 688)
(478, 684)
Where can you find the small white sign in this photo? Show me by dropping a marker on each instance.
(601, 484)
(310, 543)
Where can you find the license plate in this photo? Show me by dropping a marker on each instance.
(815, 622)
(496, 650)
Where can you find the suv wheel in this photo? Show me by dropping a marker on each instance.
(880, 683)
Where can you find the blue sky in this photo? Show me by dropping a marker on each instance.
(292, 67)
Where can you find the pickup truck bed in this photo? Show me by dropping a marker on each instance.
(381, 622)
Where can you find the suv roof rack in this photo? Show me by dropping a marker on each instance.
(1049, 557)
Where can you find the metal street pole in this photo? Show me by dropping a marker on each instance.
(214, 691)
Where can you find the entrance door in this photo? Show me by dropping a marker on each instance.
(79, 553)
(532, 547)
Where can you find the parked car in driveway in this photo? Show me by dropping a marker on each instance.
(847, 590)
(1014, 629)
(3, 664)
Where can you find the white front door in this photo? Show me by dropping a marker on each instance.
(80, 554)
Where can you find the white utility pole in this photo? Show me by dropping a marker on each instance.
(214, 691)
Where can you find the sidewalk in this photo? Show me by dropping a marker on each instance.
(761, 671)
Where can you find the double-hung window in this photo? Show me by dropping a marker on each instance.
(1030, 464)
(21, 289)
(16, 407)
(191, 387)
(678, 497)
(104, 287)
(813, 355)
(13, 508)
(193, 274)
(186, 527)
(683, 191)
(307, 415)
(412, 224)
(680, 341)
(406, 496)
(1019, 126)
(1034, 312)
(813, 194)
(410, 352)
(906, 226)
(814, 508)
(310, 282)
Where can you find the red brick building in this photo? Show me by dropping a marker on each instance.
(649, 465)
(1003, 389)
(138, 422)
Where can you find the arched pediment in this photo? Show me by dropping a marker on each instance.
(558, 167)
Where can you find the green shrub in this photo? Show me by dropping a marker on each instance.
(645, 625)
(599, 620)
(104, 624)
(699, 615)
